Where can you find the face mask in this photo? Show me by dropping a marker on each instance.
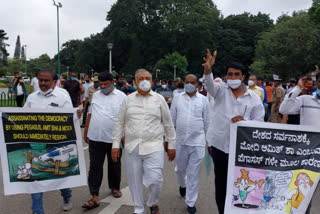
(87, 81)
(163, 86)
(47, 92)
(250, 83)
(145, 85)
(189, 88)
(234, 84)
(105, 90)
(73, 78)
(97, 85)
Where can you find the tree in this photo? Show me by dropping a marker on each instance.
(3, 51)
(17, 50)
(167, 64)
(23, 55)
(314, 11)
(289, 49)
(43, 62)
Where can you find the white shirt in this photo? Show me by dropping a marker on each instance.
(308, 106)
(104, 111)
(19, 90)
(85, 87)
(144, 121)
(177, 91)
(226, 106)
(35, 84)
(58, 98)
(190, 117)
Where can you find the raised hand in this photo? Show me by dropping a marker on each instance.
(301, 82)
(209, 61)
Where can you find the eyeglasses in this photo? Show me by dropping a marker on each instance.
(237, 74)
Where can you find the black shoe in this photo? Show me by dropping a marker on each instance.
(191, 210)
(182, 191)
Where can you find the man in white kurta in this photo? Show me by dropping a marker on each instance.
(144, 118)
(190, 116)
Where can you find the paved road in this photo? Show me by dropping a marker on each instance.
(170, 201)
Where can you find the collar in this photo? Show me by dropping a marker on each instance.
(53, 93)
(151, 93)
(196, 95)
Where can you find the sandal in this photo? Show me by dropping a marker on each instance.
(155, 209)
(91, 204)
(116, 193)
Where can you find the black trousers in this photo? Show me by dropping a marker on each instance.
(19, 100)
(84, 118)
(220, 161)
(97, 152)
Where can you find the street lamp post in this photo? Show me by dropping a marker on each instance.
(68, 72)
(92, 73)
(174, 72)
(59, 5)
(110, 46)
(157, 70)
(25, 59)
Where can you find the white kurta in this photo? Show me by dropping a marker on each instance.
(190, 116)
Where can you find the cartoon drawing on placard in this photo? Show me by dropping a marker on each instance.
(250, 180)
(275, 190)
(44, 162)
(300, 186)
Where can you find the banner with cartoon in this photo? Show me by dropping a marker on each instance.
(41, 150)
(273, 168)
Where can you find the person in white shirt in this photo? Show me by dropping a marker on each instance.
(308, 106)
(190, 116)
(233, 102)
(144, 119)
(88, 83)
(180, 89)
(103, 113)
(34, 86)
(49, 96)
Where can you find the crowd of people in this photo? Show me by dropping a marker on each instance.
(146, 119)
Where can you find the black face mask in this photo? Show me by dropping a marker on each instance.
(87, 81)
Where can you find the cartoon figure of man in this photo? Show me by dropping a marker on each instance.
(245, 186)
(296, 196)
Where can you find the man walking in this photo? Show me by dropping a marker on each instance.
(307, 106)
(144, 119)
(276, 99)
(87, 84)
(49, 96)
(233, 102)
(190, 116)
(73, 88)
(98, 134)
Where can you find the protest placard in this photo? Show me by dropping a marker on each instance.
(273, 168)
(41, 150)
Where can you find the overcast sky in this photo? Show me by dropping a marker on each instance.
(35, 20)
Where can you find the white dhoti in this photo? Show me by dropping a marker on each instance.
(146, 170)
(188, 160)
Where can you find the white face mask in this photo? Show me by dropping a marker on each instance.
(250, 83)
(45, 93)
(234, 84)
(163, 86)
(145, 85)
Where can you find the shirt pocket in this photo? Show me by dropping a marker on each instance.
(196, 110)
(152, 111)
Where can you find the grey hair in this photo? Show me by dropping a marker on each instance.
(141, 70)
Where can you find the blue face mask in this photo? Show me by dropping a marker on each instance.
(105, 90)
(189, 88)
(318, 93)
(73, 78)
(97, 84)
